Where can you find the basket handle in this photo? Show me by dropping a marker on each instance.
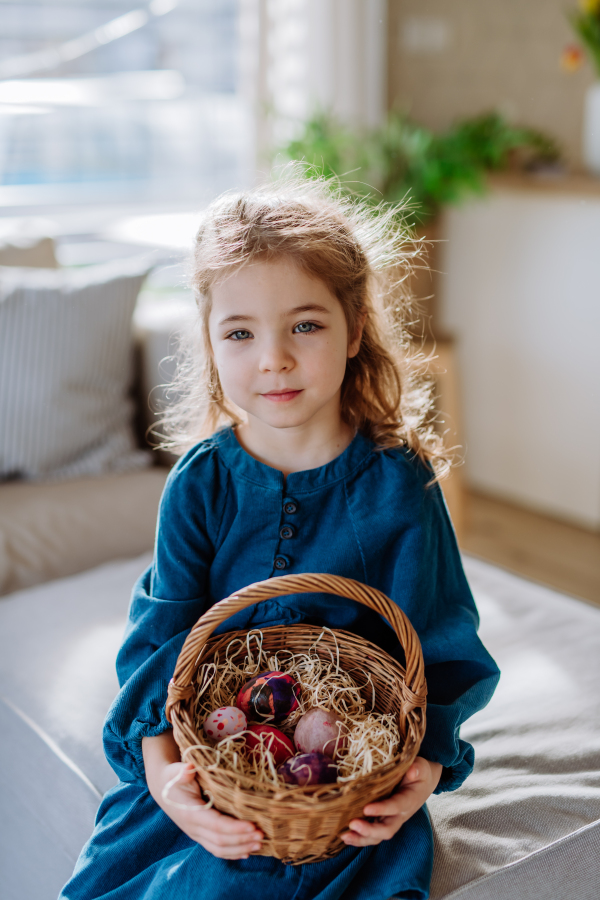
(180, 687)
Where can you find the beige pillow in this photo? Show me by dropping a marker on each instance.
(57, 529)
(32, 253)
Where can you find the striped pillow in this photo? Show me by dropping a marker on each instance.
(65, 370)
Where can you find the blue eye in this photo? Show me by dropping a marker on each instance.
(306, 327)
(239, 335)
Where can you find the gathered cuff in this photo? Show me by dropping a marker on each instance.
(139, 711)
(442, 743)
(125, 754)
(453, 776)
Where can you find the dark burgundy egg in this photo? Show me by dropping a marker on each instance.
(273, 739)
(309, 768)
(269, 696)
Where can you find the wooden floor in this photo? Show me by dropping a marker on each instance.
(540, 548)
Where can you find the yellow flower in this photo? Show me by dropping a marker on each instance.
(571, 58)
(590, 7)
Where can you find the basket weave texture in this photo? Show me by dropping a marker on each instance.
(303, 824)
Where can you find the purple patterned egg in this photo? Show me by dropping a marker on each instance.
(223, 722)
(269, 696)
(322, 730)
(308, 768)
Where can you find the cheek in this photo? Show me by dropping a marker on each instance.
(331, 359)
(231, 365)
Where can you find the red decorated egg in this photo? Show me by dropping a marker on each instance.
(320, 730)
(309, 768)
(223, 722)
(270, 696)
(272, 739)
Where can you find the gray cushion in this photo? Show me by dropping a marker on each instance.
(565, 870)
(537, 744)
(58, 645)
(517, 826)
(66, 368)
(42, 829)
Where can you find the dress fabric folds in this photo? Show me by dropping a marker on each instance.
(370, 514)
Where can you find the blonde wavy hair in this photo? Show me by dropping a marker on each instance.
(365, 257)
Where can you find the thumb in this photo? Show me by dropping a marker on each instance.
(411, 775)
(187, 774)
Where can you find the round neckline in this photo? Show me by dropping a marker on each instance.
(241, 463)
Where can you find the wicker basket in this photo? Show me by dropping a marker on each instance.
(303, 824)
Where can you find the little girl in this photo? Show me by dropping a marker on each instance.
(323, 463)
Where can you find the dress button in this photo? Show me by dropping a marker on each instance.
(286, 532)
(290, 506)
(281, 562)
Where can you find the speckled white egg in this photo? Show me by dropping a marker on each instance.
(224, 722)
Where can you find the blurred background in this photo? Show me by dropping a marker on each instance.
(118, 122)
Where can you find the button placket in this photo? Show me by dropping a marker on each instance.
(286, 532)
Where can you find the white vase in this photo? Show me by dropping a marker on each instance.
(591, 129)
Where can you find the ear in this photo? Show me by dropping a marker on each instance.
(354, 344)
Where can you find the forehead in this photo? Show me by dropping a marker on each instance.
(280, 281)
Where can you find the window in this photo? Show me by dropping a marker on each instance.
(109, 101)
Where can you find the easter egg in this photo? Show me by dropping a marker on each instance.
(321, 730)
(308, 768)
(272, 739)
(224, 722)
(269, 696)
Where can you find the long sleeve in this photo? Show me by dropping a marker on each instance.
(461, 675)
(166, 602)
(409, 551)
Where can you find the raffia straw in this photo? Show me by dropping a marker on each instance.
(373, 739)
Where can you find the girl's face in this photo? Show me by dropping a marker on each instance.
(280, 344)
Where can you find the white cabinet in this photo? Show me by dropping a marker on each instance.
(520, 291)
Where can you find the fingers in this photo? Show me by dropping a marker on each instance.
(226, 829)
(390, 807)
(363, 834)
(389, 814)
(222, 835)
(242, 851)
(228, 845)
(400, 806)
(227, 838)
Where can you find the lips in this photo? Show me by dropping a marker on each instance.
(281, 396)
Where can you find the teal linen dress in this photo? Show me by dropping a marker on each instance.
(226, 520)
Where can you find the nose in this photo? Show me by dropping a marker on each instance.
(275, 356)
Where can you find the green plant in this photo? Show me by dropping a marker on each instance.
(586, 23)
(406, 161)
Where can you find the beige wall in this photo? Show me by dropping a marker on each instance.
(454, 58)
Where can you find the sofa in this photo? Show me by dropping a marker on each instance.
(75, 532)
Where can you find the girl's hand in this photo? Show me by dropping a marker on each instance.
(417, 785)
(221, 835)
(174, 787)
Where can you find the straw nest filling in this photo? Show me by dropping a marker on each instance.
(373, 738)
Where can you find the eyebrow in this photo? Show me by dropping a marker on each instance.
(309, 307)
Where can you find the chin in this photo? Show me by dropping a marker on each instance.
(285, 419)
